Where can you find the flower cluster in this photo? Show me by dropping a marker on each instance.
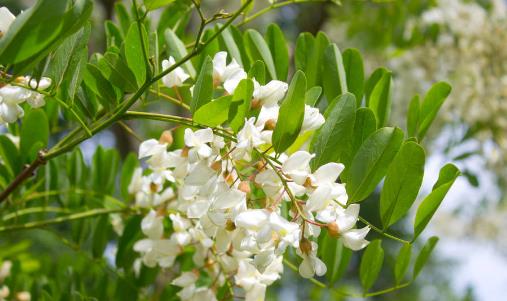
(22, 89)
(5, 271)
(469, 52)
(234, 205)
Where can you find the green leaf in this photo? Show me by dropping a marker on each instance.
(402, 262)
(177, 49)
(354, 71)
(334, 138)
(41, 29)
(126, 255)
(100, 236)
(94, 79)
(364, 126)
(114, 37)
(334, 80)
(258, 72)
(104, 169)
(215, 112)
(128, 168)
(154, 4)
(413, 116)
(227, 39)
(380, 101)
(134, 52)
(259, 50)
(402, 183)
(430, 204)
(203, 89)
(371, 162)
(371, 263)
(372, 82)
(279, 50)
(240, 104)
(423, 256)
(291, 114)
(116, 71)
(9, 155)
(334, 255)
(34, 131)
(312, 96)
(68, 64)
(309, 56)
(430, 106)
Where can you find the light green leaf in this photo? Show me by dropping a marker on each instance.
(371, 263)
(423, 256)
(134, 52)
(94, 79)
(177, 49)
(334, 80)
(402, 262)
(279, 50)
(430, 204)
(430, 106)
(214, 113)
(34, 132)
(227, 39)
(334, 138)
(259, 50)
(354, 71)
(372, 82)
(371, 162)
(413, 116)
(380, 101)
(312, 95)
(291, 114)
(402, 183)
(258, 72)
(154, 4)
(203, 90)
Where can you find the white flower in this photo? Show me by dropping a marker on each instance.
(312, 119)
(248, 138)
(197, 141)
(157, 251)
(297, 166)
(253, 282)
(230, 75)
(345, 219)
(271, 93)
(36, 100)
(152, 225)
(10, 98)
(326, 189)
(174, 78)
(270, 182)
(6, 19)
(311, 264)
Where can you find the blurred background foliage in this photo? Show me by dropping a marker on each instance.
(422, 41)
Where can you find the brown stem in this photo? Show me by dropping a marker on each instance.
(25, 174)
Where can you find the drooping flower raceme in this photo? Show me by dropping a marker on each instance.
(221, 199)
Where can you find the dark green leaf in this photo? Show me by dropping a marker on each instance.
(116, 71)
(94, 79)
(134, 51)
(372, 82)
(312, 96)
(371, 162)
(380, 101)
(371, 263)
(402, 183)
(335, 136)
(258, 72)
(240, 104)
(9, 155)
(128, 168)
(100, 236)
(291, 114)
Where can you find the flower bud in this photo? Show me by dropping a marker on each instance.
(166, 137)
(256, 104)
(270, 125)
(20, 80)
(305, 245)
(216, 166)
(333, 230)
(153, 187)
(244, 186)
(184, 152)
